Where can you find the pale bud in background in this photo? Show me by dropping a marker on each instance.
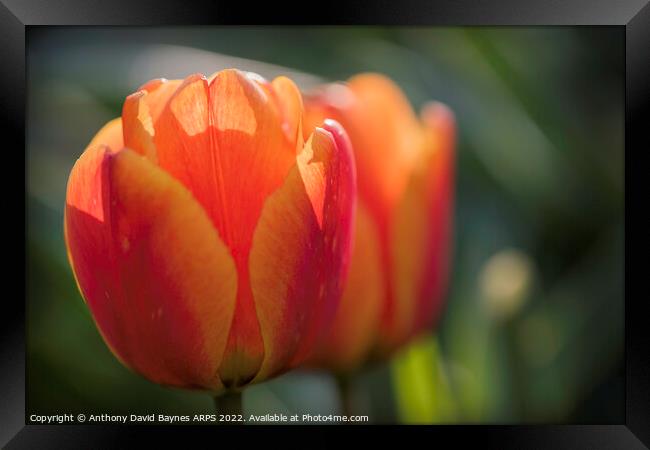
(505, 282)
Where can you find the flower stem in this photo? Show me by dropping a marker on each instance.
(517, 370)
(345, 392)
(229, 403)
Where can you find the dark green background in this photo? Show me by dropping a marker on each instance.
(540, 169)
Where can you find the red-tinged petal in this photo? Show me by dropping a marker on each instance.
(437, 171)
(339, 199)
(301, 250)
(420, 235)
(158, 280)
(109, 135)
(353, 332)
(85, 187)
(421, 238)
(387, 140)
(407, 189)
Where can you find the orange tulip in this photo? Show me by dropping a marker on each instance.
(403, 231)
(208, 239)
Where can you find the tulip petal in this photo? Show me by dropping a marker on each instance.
(138, 125)
(224, 141)
(300, 253)
(289, 99)
(141, 110)
(440, 127)
(160, 283)
(353, 331)
(159, 91)
(384, 129)
(388, 141)
(409, 249)
(109, 135)
(421, 241)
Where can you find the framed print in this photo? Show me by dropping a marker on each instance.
(394, 220)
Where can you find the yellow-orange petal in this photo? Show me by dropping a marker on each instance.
(386, 138)
(159, 91)
(409, 248)
(138, 125)
(305, 230)
(158, 280)
(109, 135)
(141, 111)
(289, 100)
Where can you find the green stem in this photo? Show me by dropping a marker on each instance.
(229, 403)
(517, 371)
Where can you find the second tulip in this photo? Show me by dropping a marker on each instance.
(400, 262)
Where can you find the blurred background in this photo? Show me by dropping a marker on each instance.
(533, 329)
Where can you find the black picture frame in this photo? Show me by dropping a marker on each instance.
(18, 16)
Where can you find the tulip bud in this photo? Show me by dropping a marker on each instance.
(400, 261)
(209, 240)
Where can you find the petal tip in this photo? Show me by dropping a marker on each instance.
(435, 112)
(152, 84)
